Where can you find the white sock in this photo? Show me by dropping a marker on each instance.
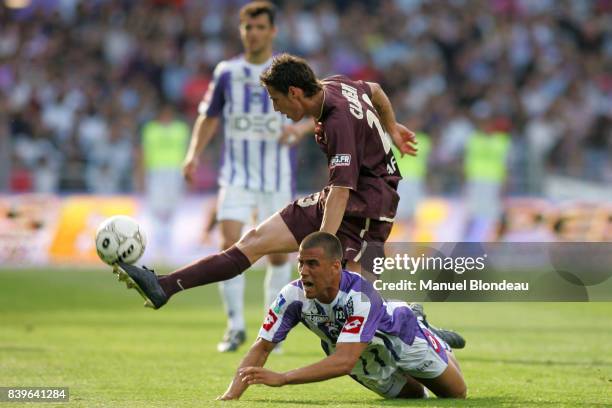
(232, 293)
(276, 278)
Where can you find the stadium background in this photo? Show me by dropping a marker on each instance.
(79, 79)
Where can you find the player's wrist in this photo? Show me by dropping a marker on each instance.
(285, 378)
(189, 159)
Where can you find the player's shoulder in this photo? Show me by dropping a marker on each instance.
(343, 100)
(293, 291)
(355, 285)
(338, 80)
(230, 65)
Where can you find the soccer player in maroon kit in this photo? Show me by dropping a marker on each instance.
(358, 205)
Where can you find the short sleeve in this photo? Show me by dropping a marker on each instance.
(214, 98)
(343, 152)
(282, 316)
(361, 324)
(365, 87)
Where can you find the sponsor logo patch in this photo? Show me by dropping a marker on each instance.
(340, 160)
(271, 318)
(349, 307)
(339, 314)
(353, 325)
(316, 318)
(279, 304)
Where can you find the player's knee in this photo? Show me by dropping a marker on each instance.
(459, 392)
(463, 392)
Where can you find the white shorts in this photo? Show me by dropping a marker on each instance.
(165, 189)
(424, 358)
(246, 206)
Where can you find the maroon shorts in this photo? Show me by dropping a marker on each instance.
(304, 216)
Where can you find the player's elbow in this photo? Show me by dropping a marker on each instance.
(375, 88)
(340, 193)
(264, 346)
(346, 365)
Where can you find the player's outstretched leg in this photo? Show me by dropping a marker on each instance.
(452, 338)
(271, 236)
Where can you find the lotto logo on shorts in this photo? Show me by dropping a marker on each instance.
(271, 318)
(432, 340)
(353, 325)
(340, 160)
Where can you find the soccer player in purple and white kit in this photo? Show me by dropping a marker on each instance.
(381, 345)
(257, 175)
(359, 203)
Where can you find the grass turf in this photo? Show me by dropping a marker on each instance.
(83, 330)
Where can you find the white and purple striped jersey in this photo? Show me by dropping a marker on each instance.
(357, 314)
(252, 157)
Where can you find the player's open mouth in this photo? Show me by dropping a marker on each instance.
(308, 284)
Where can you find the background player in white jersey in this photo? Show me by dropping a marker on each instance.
(257, 174)
(380, 345)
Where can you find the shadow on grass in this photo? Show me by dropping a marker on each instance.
(478, 402)
(470, 330)
(438, 402)
(300, 402)
(551, 363)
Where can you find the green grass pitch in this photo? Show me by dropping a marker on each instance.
(83, 330)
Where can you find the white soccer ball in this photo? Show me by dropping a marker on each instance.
(120, 238)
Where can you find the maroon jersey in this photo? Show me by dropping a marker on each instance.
(358, 151)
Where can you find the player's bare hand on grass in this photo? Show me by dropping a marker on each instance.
(227, 397)
(404, 139)
(260, 375)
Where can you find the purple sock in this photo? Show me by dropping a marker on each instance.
(214, 268)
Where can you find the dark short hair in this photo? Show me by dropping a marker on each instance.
(332, 248)
(255, 8)
(288, 70)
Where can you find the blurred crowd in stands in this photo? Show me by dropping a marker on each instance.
(79, 79)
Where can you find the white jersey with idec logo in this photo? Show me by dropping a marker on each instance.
(252, 158)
